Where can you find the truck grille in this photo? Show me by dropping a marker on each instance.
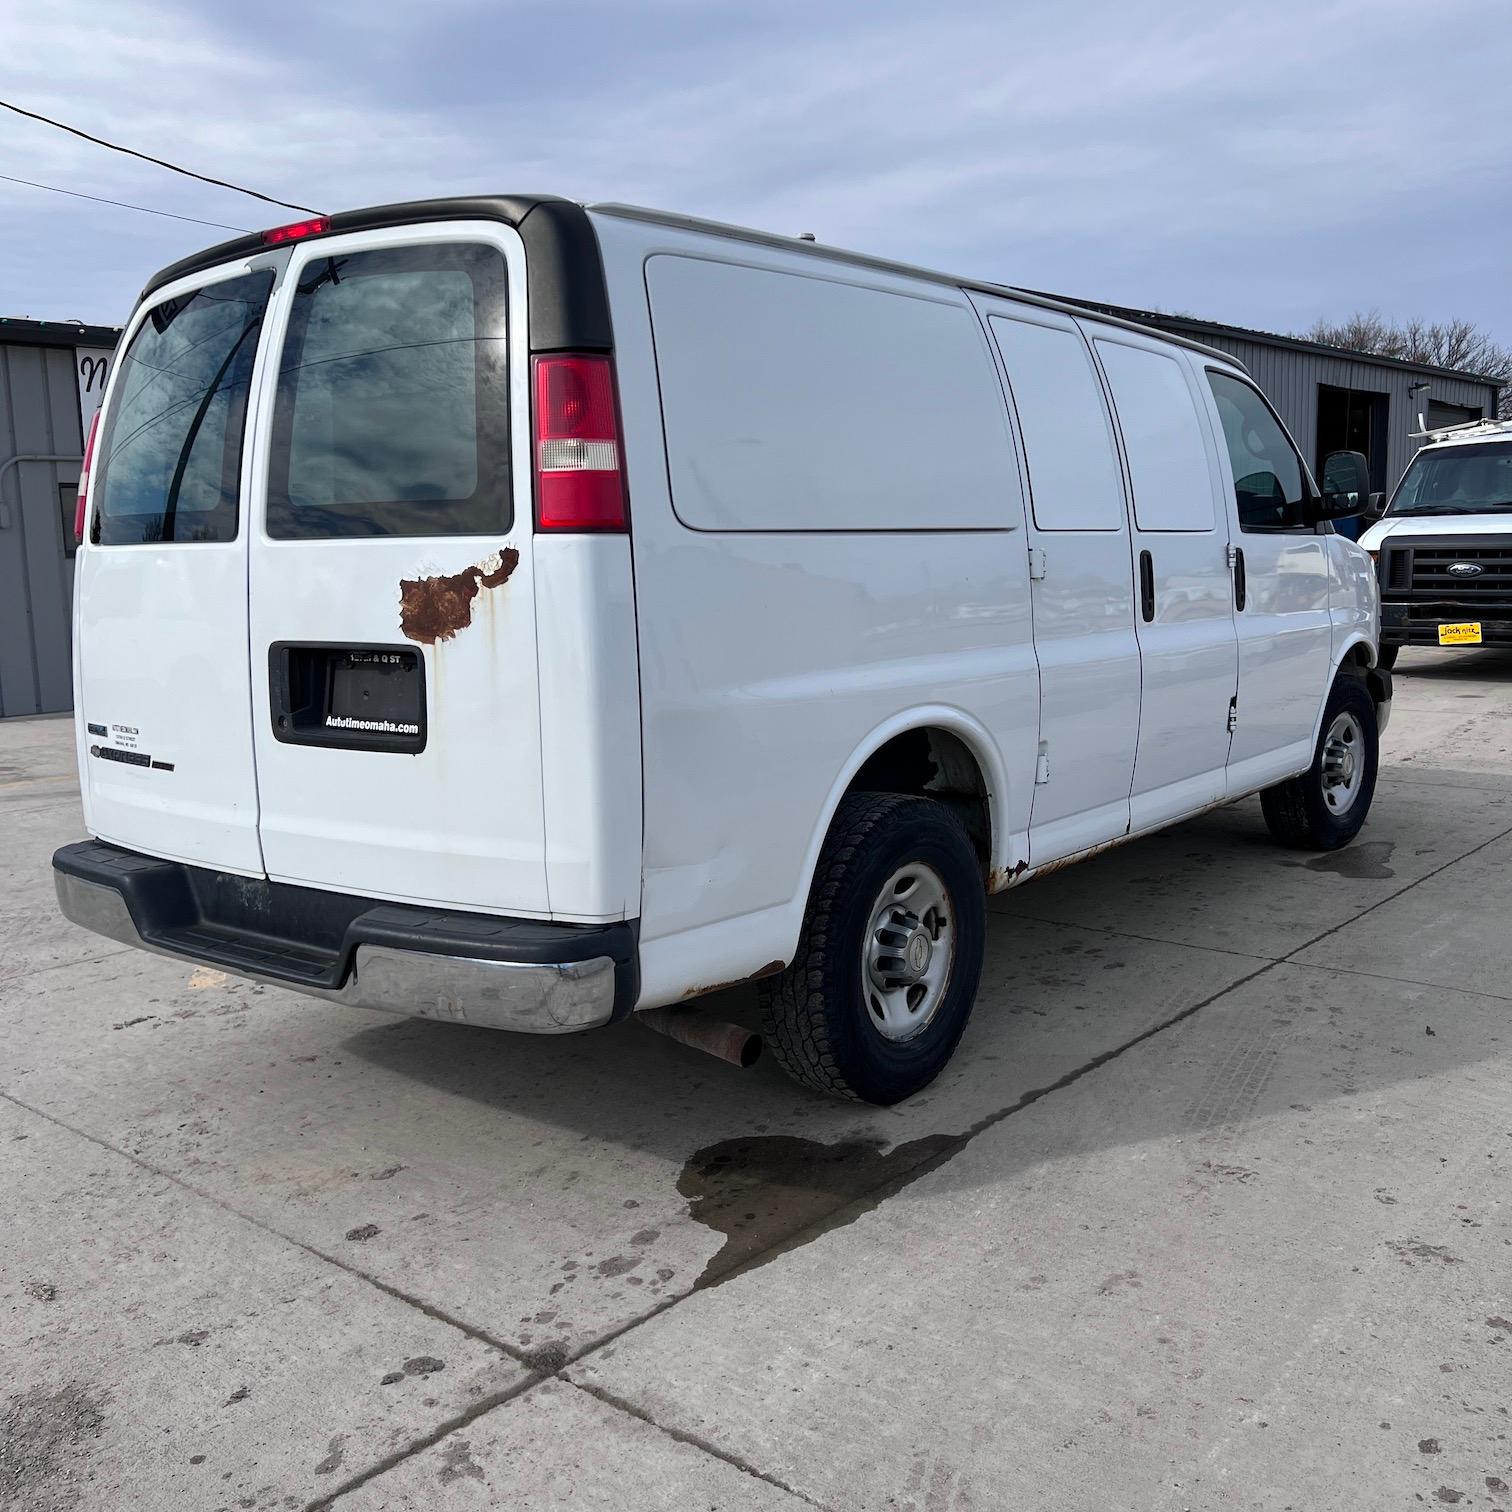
(1424, 569)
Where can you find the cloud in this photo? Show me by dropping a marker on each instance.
(1258, 164)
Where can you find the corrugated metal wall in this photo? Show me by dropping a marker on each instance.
(1291, 378)
(39, 413)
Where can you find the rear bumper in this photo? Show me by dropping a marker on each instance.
(498, 973)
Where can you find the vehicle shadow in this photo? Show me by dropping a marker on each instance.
(1449, 666)
(1058, 1000)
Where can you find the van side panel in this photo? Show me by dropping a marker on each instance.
(772, 658)
(824, 405)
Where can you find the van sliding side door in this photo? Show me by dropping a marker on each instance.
(1080, 589)
(1189, 657)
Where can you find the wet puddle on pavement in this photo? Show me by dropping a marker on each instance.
(1361, 863)
(772, 1193)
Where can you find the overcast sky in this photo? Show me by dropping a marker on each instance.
(1258, 163)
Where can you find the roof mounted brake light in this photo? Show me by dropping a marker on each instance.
(297, 230)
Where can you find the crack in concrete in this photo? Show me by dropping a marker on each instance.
(105, 955)
(1396, 981)
(694, 1441)
(398, 1456)
(437, 1314)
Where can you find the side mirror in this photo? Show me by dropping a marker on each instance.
(1346, 486)
(1375, 508)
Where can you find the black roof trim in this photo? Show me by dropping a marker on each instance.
(56, 333)
(1192, 325)
(1073, 308)
(569, 304)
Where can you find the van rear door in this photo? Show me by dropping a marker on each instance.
(395, 712)
(160, 603)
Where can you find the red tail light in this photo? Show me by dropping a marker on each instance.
(579, 484)
(81, 508)
(297, 230)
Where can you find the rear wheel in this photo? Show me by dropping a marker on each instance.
(1325, 807)
(887, 968)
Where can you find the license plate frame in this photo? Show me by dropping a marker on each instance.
(1460, 633)
(350, 697)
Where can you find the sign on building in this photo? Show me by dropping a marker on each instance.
(91, 368)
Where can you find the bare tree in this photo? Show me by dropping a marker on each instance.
(1459, 344)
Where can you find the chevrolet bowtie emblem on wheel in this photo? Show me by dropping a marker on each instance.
(1465, 569)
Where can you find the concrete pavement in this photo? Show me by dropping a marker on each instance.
(1207, 1213)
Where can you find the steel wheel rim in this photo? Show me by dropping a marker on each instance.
(909, 952)
(1343, 763)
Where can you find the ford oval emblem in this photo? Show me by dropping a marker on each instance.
(1465, 569)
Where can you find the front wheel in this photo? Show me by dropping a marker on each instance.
(1324, 808)
(1386, 657)
(878, 996)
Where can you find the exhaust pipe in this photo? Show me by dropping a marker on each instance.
(694, 1028)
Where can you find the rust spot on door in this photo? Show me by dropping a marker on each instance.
(435, 608)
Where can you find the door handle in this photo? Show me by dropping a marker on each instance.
(1239, 577)
(1147, 586)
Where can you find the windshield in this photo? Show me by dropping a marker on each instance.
(1457, 480)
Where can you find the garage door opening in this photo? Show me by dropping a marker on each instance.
(1353, 420)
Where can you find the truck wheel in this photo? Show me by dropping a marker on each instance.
(1386, 657)
(1325, 807)
(887, 967)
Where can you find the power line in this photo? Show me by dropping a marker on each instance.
(122, 204)
(148, 158)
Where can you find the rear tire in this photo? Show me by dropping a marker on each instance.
(1386, 657)
(1324, 808)
(876, 1000)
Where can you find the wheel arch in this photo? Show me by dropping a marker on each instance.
(1358, 658)
(964, 735)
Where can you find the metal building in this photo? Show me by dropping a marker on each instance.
(52, 373)
(1333, 400)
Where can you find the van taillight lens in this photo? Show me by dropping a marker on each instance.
(317, 225)
(579, 483)
(81, 507)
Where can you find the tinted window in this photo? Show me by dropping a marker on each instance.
(1267, 471)
(168, 461)
(1457, 480)
(1163, 438)
(1074, 477)
(392, 411)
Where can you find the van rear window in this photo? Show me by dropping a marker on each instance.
(168, 463)
(392, 410)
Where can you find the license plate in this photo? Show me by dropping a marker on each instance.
(1460, 635)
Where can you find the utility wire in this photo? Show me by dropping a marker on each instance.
(148, 158)
(122, 204)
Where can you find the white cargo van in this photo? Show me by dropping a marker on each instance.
(523, 615)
